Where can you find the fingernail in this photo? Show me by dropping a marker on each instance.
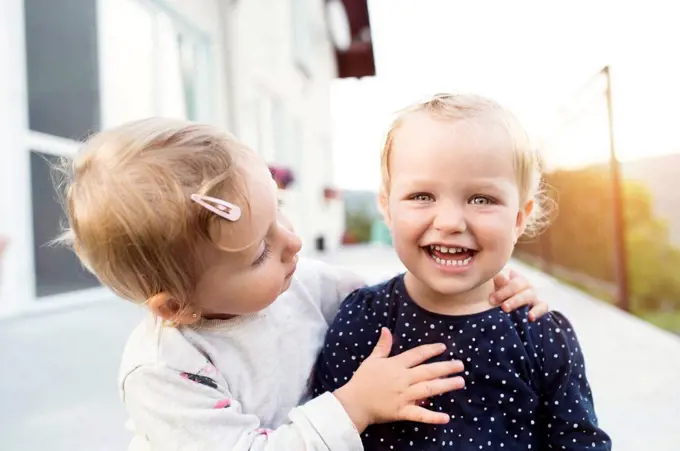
(492, 298)
(507, 307)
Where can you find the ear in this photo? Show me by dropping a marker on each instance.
(522, 216)
(384, 207)
(167, 308)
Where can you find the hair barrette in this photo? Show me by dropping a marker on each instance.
(220, 207)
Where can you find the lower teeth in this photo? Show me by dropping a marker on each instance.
(441, 261)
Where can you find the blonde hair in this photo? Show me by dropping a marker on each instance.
(470, 107)
(127, 198)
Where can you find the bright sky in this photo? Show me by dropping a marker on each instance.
(532, 56)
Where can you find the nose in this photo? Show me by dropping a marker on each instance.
(450, 219)
(293, 243)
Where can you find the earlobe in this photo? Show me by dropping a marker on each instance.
(167, 308)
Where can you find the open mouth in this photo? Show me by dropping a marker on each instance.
(450, 256)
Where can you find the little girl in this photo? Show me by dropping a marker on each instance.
(460, 186)
(183, 219)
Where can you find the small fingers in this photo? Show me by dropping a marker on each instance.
(418, 355)
(526, 297)
(540, 309)
(435, 370)
(428, 389)
(422, 415)
(383, 346)
(512, 288)
(499, 281)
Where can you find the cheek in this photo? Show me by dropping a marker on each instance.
(409, 223)
(497, 228)
(251, 294)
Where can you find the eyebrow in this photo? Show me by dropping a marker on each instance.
(481, 183)
(488, 184)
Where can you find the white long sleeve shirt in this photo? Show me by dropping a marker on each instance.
(240, 384)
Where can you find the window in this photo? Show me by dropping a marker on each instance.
(57, 269)
(61, 66)
(151, 64)
(280, 132)
(302, 39)
(287, 134)
(92, 64)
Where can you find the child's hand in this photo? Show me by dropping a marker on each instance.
(515, 291)
(385, 389)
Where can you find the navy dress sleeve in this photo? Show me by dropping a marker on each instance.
(349, 340)
(568, 415)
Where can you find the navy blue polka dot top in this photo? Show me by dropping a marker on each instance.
(526, 387)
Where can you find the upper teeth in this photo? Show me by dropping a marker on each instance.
(450, 250)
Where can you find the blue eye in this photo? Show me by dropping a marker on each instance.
(266, 252)
(481, 200)
(422, 197)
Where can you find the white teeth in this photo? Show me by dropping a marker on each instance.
(441, 261)
(450, 250)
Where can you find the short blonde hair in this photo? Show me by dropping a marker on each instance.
(470, 107)
(127, 197)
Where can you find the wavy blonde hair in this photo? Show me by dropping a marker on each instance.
(470, 107)
(127, 199)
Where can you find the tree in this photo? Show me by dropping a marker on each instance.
(580, 238)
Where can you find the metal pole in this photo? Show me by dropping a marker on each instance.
(620, 253)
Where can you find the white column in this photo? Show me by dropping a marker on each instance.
(17, 284)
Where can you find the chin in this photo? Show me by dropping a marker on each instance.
(451, 285)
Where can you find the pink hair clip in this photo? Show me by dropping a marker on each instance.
(220, 207)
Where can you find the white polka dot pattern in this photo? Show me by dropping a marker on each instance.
(526, 386)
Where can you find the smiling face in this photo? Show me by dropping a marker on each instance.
(453, 204)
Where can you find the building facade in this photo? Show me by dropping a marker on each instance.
(260, 68)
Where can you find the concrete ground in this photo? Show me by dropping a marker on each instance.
(58, 382)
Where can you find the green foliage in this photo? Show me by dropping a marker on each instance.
(580, 238)
(358, 225)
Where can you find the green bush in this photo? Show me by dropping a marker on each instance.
(580, 238)
(358, 226)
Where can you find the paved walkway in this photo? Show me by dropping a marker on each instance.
(58, 382)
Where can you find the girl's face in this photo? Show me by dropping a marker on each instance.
(454, 207)
(248, 280)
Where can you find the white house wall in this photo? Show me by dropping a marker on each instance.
(252, 64)
(264, 70)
